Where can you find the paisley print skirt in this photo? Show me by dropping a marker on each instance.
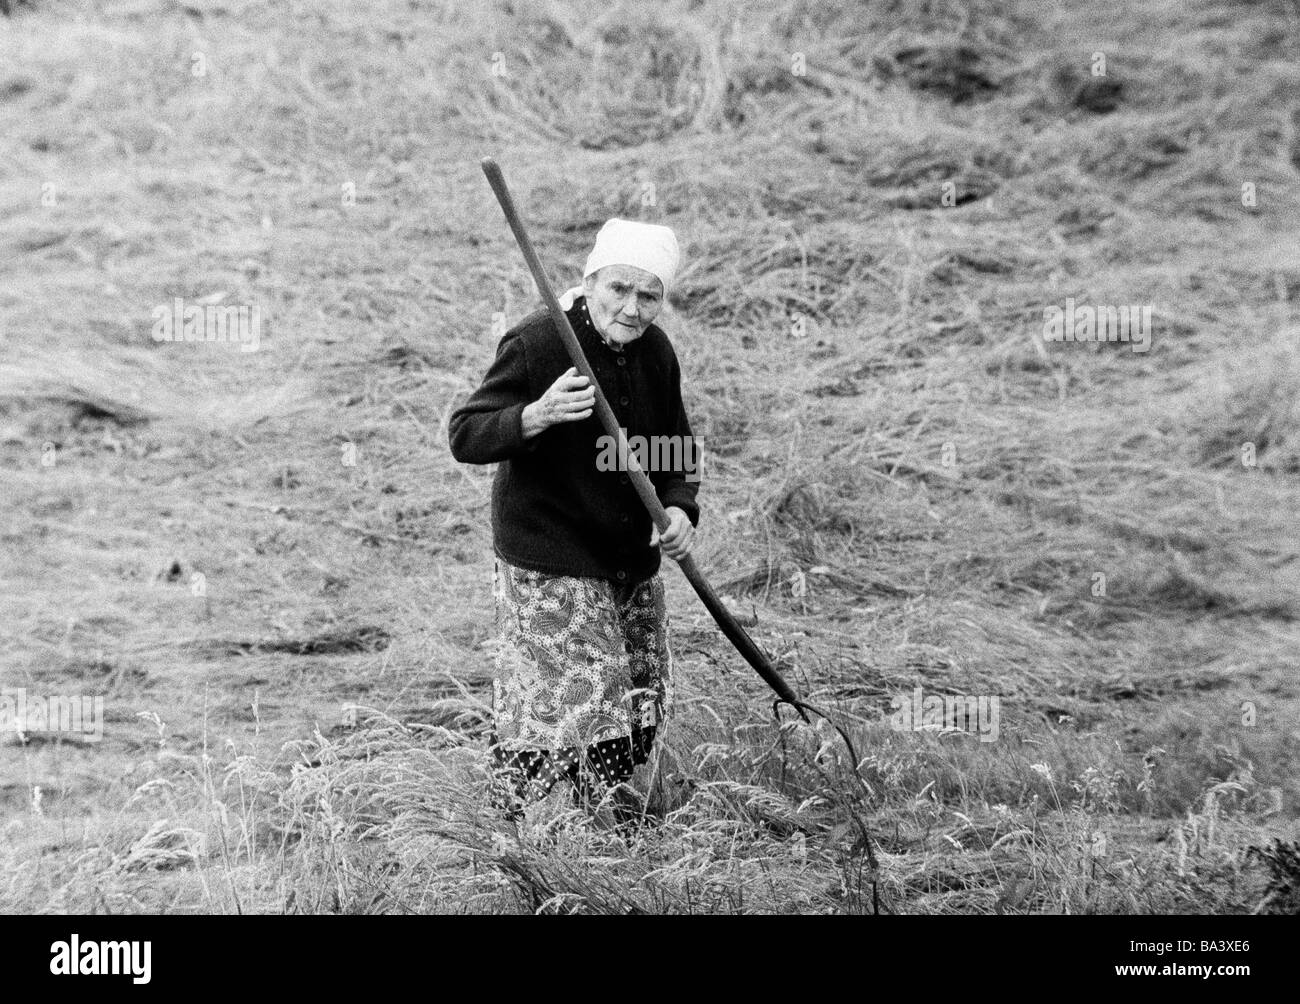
(583, 673)
(578, 660)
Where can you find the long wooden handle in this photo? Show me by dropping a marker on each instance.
(736, 634)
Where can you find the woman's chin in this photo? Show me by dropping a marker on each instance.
(621, 334)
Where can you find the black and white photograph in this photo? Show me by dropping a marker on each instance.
(799, 457)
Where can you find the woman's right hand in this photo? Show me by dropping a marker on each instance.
(570, 399)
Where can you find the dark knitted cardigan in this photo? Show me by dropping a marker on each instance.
(553, 509)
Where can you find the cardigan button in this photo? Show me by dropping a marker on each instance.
(621, 575)
(623, 401)
(622, 360)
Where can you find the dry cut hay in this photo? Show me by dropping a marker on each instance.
(132, 387)
(1250, 414)
(622, 79)
(103, 389)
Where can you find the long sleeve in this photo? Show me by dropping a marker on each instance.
(556, 508)
(488, 428)
(673, 486)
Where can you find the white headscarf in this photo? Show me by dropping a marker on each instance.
(646, 246)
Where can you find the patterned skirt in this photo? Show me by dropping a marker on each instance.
(583, 679)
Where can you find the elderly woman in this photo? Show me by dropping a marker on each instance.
(583, 667)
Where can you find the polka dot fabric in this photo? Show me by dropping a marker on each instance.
(523, 776)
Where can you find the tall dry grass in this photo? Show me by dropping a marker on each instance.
(907, 486)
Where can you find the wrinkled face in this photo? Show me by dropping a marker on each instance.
(622, 301)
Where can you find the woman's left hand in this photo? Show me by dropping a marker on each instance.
(679, 538)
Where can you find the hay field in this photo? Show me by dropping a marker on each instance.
(270, 568)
